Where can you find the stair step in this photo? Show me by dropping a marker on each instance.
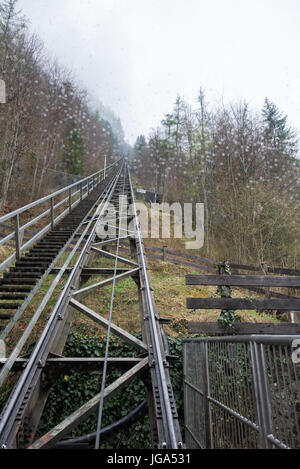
(31, 263)
(45, 251)
(6, 317)
(27, 269)
(19, 275)
(9, 306)
(19, 281)
(8, 296)
(15, 289)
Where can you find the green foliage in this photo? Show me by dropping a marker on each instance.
(72, 156)
(244, 168)
(276, 129)
(9, 17)
(72, 391)
(227, 317)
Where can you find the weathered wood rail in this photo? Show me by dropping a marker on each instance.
(203, 264)
(227, 303)
(244, 328)
(208, 265)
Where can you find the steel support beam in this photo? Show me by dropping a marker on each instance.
(113, 256)
(67, 425)
(87, 290)
(124, 335)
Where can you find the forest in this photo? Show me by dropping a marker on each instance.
(242, 164)
(48, 124)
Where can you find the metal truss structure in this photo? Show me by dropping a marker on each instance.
(93, 205)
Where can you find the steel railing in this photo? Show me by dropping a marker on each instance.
(22, 390)
(71, 196)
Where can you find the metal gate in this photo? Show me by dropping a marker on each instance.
(242, 392)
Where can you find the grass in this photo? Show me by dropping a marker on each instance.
(169, 290)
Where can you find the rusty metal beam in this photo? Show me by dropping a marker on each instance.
(113, 256)
(82, 363)
(126, 336)
(82, 293)
(67, 425)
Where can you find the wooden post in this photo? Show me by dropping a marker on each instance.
(165, 253)
(265, 269)
(295, 317)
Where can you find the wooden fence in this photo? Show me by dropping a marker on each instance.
(203, 264)
(227, 303)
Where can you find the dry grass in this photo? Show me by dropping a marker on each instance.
(170, 293)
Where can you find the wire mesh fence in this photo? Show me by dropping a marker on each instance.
(241, 392)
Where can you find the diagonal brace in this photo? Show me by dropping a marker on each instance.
(85, 291)
(113, 256)
(67, 425)
(110, 241)
(126, 336)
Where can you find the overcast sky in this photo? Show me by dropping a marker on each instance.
(138, 55)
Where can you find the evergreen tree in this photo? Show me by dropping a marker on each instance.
(73, 153)
(140, 144)
(11, 23)
(277, 132)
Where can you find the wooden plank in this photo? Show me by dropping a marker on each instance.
(283, 271)
(150, 248)
(178, 262)
(201, 260)
(275, 270)
(241, 303)
(243, 280)
(243, 328)
(252, 268)
(191, 264)
(205, 261)
(273, 294)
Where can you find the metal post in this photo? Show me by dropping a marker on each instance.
(206, 404)
(105, 167)
(208, 416)
(17, 237)
(262, 395)
(2, 349)
(81, 192)
(52, 212)
(70, 200)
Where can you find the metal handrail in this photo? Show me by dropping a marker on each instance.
(84, 190)
(47, 212)
(258, 338)
(54, 194)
